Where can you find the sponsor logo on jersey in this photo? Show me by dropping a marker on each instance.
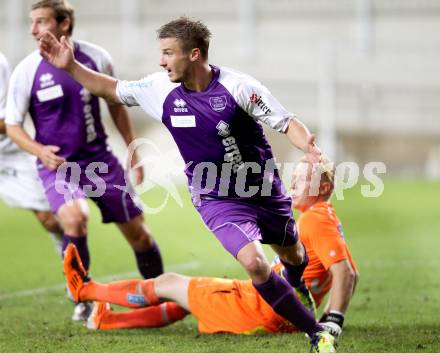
(49, 93)
(223, 129)
(218, 104)
(46, 80)
(232, 152)
(86, 97)
(256, 99)
(179, 106)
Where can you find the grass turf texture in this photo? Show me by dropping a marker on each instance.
(393, 238)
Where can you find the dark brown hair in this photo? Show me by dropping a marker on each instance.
(192, 34)
(61, 9)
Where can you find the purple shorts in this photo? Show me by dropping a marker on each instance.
(236, 223)
(102, 181)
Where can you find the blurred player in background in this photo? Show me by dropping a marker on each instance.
(220, 305)
(68, 126)
(20, 185)
(331, 268)
(213, 114)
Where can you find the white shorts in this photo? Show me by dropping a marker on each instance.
(20, 185)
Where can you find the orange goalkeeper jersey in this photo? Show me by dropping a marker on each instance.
(321, 233)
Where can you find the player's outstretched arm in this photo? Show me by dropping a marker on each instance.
(341, 292)
(60, 54)
(300, 136)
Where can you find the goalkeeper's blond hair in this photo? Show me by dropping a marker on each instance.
(322, 172)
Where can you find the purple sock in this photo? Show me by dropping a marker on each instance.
(81, 245)
(279, 295)
(293, 274)
(149, 262)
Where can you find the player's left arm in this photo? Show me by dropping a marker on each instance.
(342, 288)
(123, 123)
(260, 104)
(344, 279)
(300, 136)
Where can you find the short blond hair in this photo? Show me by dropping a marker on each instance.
(61, 9)
(327, 169)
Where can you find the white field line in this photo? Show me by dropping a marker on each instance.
(30, 292)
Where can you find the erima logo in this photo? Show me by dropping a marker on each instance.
(232, 152)
(179, 103)
(180, 106)
(46, 80)
(254, 98)
(46, 77)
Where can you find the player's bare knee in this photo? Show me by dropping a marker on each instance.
(294, 254)
(166, 281)
(140, 240)
(48, 221)
(137, 234)
(74, 221)
(351, 275)
(257, 267)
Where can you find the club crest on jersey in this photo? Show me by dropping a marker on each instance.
(218, 104)
(46, 80)
(256, 99)
(179, 106)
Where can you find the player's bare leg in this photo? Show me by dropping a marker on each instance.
(174, 287)
(148, 257)
(53, 227)
(73, 216)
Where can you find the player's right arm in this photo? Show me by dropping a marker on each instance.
(16, 109)
(45, 153)
(60, 54)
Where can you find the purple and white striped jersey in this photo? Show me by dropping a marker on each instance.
(217, 131)
(64, 113)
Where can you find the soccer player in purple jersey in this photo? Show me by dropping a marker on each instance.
(20, 185)
(213, 114)
(68, 126)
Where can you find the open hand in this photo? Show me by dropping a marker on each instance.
(57, 52)
(48, 157)
(313, 154)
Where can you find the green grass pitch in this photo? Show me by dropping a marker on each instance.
(395, 240)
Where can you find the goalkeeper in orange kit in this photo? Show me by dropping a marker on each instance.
(234, 306)
(331, 268)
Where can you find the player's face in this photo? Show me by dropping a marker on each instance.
(43, 20)
(174, 60)
(305, 188)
